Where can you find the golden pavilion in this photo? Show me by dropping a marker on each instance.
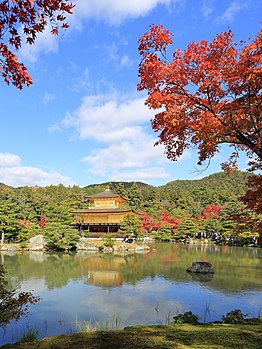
(104, 214)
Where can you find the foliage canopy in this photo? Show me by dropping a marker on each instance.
(32, 17)
(207, 94)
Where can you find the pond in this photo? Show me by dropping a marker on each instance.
(106, 291)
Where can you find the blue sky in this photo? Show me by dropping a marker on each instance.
(83, 121)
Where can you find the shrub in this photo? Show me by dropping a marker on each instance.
(60, 236)
(108, 240)
(234, 317)
(188, 318)
(164, 233)
(29, 336)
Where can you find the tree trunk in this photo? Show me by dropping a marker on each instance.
(3, 238)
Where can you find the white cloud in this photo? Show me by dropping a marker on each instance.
(124, 147)
(82, 83)
(229, 14)
(9, 160)
(207, 8)
(113, 52)
(109, 118)
(114, 12)
(141, 175)
(14, 174)
(132, 156)
(48, 97)
(45, 42)
(126, 61)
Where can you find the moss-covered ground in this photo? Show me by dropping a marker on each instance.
(212, 336)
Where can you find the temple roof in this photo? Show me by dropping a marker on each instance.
(105, 194)
(101, 210)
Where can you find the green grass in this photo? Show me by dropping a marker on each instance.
(206, 336)
(29, 336)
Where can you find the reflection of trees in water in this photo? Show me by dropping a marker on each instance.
(236, 269)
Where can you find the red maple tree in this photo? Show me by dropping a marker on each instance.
(32, 16)
(169, 221)
(149, 223)
(210, 212)
(42, 221)
(253, 199)
(207, 94)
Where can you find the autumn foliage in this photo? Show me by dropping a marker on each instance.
(253, 196)
(169, 221)
(150, 223)
(28, 18)
(42, 221)
(206, 95)
(211, 212)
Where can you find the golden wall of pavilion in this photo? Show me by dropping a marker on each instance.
(96, 218)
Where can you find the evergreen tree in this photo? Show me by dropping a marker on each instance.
(212, 226)
(9, 213)
(120, 189)
(135, 196)
(131, 224)
(60, 237)
(187, 226)
(164, 233)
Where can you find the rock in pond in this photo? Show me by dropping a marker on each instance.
(201, 268)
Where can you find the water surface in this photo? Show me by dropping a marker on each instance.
(113, 291)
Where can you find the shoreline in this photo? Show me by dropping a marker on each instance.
(247, 335)
(97, 245)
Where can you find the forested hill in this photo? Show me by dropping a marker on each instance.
(25, 211)
(234, 180)
(95, 188)
(222, 179)
(2, 186)
(217, 188)
(191, 196)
